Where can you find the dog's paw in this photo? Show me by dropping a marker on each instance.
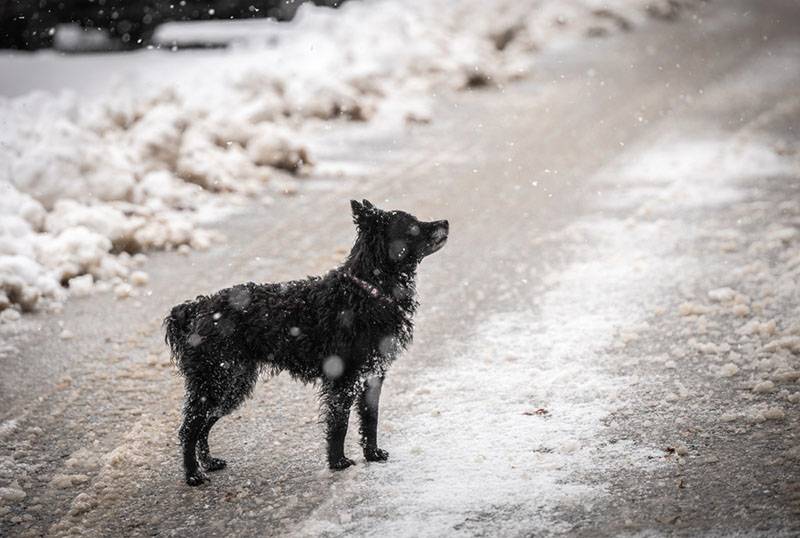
(196, 479)
(214, 464)
(341, 463)
(376, 454)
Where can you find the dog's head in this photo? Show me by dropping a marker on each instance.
(401, 236)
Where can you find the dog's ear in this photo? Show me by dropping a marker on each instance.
(361, 211)
(364, 212)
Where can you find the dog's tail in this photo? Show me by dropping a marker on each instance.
(176, 328)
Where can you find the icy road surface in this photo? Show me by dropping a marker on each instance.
(608, 345)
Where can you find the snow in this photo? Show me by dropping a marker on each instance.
(690, 173)
(333, 367)
(96, 167)
(64, 481)
(80, 286)
(66, 334)
(735, 296)
(8, 426)
(722, 295)
(540, 455)
(11, 494)
(787, 377)
(741, 310)
(774, 413)
(525, 465)
(82, 504)
(123, 290)
(764, 386)
(139, 278)
(755, 326)
(694, 309)
(10, 315)
(791, 343)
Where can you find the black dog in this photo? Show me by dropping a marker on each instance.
(343, 329)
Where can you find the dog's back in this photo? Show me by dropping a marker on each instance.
(292, 326)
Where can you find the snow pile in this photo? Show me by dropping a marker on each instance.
(80, 197)
(84, 183)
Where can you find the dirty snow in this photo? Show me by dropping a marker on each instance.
(737, 319)
(11, 494)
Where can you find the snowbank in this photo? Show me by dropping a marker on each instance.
(86, 183)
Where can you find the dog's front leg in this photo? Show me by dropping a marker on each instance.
(338, 399)
(368, 413)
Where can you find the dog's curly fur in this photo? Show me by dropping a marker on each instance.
(343, 329)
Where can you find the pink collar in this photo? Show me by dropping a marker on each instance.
(371, 289)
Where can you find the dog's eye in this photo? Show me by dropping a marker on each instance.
(413, 230)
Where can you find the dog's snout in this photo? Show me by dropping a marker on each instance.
(440, 229)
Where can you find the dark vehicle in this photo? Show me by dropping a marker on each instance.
(31, 24)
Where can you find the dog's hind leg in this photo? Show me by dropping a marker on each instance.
(233, 386)
(368, 415)
(195, 416)
(208, 462)
(338, 399)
